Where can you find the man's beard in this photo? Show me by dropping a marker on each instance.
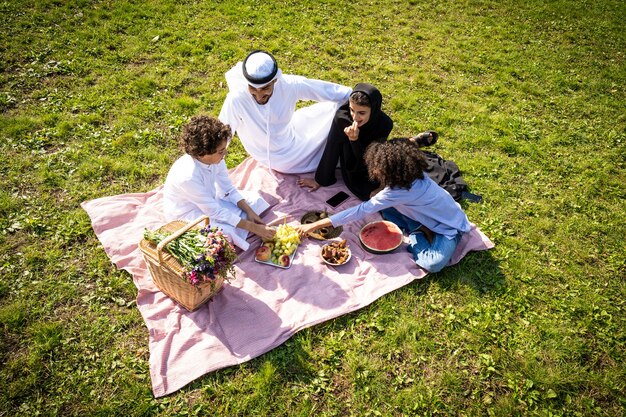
(264, 100)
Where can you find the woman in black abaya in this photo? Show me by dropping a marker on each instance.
(357, 123)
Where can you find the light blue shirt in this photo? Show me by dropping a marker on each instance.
(425, 202)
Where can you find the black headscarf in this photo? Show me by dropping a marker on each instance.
(379, 124)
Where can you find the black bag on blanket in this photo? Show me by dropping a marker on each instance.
(448, 175)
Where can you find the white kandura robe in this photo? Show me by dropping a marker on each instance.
(276, 134)
(193, 189)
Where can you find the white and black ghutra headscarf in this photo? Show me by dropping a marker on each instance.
(260, 68)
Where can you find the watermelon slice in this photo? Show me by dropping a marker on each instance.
(380, 237)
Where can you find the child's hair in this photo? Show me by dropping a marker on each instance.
(202, 135)
(395, 163)
(360, 99)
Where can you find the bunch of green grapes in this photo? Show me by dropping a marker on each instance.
(286, 240)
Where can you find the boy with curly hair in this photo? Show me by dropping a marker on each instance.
(410, 199)
(198, 184)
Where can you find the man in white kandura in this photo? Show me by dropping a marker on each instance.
(261, 108)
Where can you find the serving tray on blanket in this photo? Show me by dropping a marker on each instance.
(293, 255)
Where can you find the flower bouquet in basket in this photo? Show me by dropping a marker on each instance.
(205, 254)
(201, 261)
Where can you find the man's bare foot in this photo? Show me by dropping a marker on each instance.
(308, 183)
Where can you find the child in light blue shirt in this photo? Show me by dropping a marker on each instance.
(410, 199)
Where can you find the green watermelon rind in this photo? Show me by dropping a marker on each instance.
(380, 251)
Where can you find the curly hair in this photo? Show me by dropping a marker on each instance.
(360, 99)
(395, 163)
(202, 135)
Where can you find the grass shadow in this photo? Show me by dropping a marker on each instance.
(477, 270)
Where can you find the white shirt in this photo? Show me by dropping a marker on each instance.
(425, 202)
(193, 189)
(275, 134)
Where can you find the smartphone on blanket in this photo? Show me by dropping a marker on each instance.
(337, 199)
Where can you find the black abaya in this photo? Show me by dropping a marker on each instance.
(349, 153)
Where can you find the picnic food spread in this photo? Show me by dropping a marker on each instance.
(376, 237)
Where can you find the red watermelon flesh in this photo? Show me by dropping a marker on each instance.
(380, 237)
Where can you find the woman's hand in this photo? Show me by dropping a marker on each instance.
(352, 131)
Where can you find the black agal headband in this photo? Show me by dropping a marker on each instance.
(264, 70)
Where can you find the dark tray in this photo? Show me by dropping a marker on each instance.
(324, 233)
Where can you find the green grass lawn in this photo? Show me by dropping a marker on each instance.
(529, 99)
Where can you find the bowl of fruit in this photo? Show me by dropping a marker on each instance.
(281, 250)
(336, 253)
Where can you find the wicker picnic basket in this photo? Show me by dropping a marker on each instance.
(168, 274)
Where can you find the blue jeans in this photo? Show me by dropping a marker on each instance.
(434, 256)
(406, 224)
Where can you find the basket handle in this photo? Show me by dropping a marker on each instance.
(177, 234)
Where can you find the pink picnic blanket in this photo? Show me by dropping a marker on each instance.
(264, 305)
